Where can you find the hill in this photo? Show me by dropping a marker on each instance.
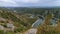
(21, 22)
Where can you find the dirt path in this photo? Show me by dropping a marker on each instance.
(31, 31)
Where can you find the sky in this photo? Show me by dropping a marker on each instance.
(29, 3)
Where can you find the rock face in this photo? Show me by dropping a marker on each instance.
(2, 19)
(32, 16)
(31, 31)
(1, 27)
(11, 26)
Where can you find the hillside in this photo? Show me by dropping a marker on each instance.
(21, 22)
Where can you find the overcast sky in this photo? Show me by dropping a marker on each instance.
(29, 3)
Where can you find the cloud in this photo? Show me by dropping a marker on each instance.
(8, 1)
(57, 2)
(29, 3)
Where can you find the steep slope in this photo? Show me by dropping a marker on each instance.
(21, 22)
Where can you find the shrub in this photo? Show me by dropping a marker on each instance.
(9, 32)
(1, 32)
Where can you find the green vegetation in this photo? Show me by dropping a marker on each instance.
(1, 32)
(9, 32)
(20, 19)
(21, 24)
(47, 28)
